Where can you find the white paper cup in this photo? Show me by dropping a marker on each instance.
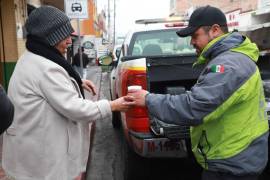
(134, 88)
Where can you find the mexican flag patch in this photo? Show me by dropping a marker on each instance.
(217, 68)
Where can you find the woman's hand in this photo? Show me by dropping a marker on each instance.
(89, 86)
(122, 104)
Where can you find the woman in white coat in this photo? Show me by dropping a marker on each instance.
(48, 139)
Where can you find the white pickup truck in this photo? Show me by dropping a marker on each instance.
(151, 57)
(156, 59)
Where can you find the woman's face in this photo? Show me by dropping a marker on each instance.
(63, 45)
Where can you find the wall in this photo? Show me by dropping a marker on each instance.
(226, 5)
(88, 24)
(56, 3)
(36, 3)
(20, 17)
(9, 50)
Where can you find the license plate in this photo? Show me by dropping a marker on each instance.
(159, 147)
(165, 148)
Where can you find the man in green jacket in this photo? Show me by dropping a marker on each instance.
(226, 107)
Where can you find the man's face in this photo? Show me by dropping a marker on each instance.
(200, 39)
(63, 45)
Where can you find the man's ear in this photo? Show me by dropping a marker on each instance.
(215, 31)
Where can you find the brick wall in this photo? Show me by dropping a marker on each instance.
(226, 5)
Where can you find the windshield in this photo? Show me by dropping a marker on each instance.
(159, 42)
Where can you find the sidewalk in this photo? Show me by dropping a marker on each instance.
(93, 74)
(2, 173)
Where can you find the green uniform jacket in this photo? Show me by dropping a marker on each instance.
(226, 108)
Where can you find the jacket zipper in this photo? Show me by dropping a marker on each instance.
(201, 149)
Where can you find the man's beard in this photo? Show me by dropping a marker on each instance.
(198, 50)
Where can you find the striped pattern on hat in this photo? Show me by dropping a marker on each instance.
(49, 23)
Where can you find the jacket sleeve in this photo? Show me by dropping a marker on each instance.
(6, 111)
(59, 92)
(211, 90)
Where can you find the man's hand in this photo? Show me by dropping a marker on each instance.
(89, 86)
(122, 104)
(139, 96)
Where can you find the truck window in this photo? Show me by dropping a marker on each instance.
(159, 42)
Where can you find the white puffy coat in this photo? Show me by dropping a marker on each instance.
(49, 137)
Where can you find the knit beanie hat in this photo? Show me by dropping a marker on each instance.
(49, 23)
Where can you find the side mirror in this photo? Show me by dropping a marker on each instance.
(105, 60)
(118, 52)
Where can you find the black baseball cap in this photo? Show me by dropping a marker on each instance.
(203, 16)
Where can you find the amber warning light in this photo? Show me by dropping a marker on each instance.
(161, 20)
(179, 24)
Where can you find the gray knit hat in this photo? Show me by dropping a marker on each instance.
(49, 23)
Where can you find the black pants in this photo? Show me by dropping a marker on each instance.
(210, 175)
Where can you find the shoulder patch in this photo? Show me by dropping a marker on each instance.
(217, 68)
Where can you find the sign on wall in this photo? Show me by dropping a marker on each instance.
(233, 18)
(76, 9)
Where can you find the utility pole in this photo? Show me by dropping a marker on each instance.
(109, 21)
(114, 15)
(80, 49)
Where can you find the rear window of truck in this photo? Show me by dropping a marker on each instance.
(159, 42)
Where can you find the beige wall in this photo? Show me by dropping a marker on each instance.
(57, 3)
(36, 3)
(20, 16)
(9, 31)
(1, 49)
(8, 40)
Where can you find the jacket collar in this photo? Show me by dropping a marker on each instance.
(219, 45)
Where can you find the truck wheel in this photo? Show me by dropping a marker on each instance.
(116, 119)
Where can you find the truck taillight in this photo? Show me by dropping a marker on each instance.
(137, 117)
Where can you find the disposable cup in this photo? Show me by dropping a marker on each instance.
(134, 87)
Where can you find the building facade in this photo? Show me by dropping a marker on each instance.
(181, 7)
(13, 15)
(8, 40)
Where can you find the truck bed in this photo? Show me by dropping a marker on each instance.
(171, 71)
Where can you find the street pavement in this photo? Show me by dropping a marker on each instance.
(2, 173)
(105, 156)
(93, 73)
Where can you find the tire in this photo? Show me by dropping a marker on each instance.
(116, 120)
